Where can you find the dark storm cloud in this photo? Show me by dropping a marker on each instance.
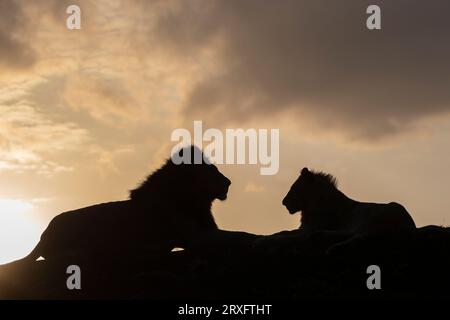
(316, 60)
(15, 52)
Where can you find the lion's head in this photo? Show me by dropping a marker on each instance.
(308, 189)
(187, 181)
(202, 178)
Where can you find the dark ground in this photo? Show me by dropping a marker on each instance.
(413, 266)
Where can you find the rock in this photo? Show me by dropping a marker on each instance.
(227, 265)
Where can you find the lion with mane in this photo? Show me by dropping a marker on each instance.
(170, 206)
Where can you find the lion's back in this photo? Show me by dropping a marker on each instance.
(92, 230)
(382, 217)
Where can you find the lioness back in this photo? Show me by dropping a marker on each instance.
(381, 217)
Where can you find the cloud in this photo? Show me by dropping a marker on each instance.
(107, 158)
(29, 139)
(28, 29)
(15, 52)
(105, 98)
(315, 61)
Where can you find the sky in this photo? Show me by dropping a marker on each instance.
(87, 114)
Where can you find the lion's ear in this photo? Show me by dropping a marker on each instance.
(307, 175)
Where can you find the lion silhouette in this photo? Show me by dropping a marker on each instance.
(327, 211)
(324, 207)
(169, 207)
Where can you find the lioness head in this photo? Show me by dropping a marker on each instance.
(309, 188)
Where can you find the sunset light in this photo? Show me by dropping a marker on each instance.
(18, 231)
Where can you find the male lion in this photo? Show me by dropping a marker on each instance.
(170, 206)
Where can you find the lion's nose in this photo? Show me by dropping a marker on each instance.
(284, 202)
(228, 182)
